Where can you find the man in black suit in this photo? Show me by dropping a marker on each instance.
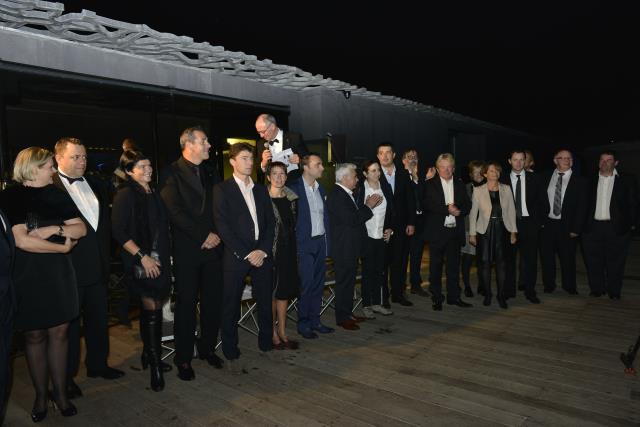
(187, 192)
(244, 216)
(404, 223)
(416, 241)
(565, 206)
(526, 191)
(91, 261)
(613, 210)
(347, 235)
(7, 306)
(274, 140)
(446, 203)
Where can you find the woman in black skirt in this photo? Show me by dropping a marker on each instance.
(141, 225)
(286, 282)
(46, 226)
(493, 220)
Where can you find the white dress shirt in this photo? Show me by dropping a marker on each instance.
(375, 225)
(603, 198)
(84, 198)
(523, 190)
(551, 190)
(247, 193)
(447, 187)
(277, 146)
(316, 208)
(391, 178)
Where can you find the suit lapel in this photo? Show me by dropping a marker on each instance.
(190, 177)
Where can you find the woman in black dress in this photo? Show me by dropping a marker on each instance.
(493, 220)
(46, 227)
(286, 282)
(141, 225)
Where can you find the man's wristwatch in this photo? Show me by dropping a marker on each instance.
(140, 254)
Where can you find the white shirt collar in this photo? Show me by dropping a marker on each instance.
(349, 192)
(242, 183)
(615, 172)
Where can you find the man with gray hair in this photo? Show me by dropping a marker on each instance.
(347, 234)
(273, 140)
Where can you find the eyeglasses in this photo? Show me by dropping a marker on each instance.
(77, 157)
(260, 132)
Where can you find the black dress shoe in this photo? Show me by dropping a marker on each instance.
(614, 296)
(572, 292)
(402, 301)
(533, 299)
(468, 293)
(596, 294)
(436, 302)
(108, 373)
(502, 302)
(487, 300)
(386, 305)
(459, 303)
(549, 290)
(481, 291)
(73, 390)
(185, 372)
(308, 334)
(212, 359)
(37, 416)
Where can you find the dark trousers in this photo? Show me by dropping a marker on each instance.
(262, 287)
(6, 333)
(372, 271)
(345, 281)
(605, 254)
(416, 248)
(525, 255)
(197, 280)
(447, 247)
(465, 266)
(555, 240)
(93, 312)
(312, 270)
(396, 257)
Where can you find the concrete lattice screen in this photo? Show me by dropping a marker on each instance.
(86, 27)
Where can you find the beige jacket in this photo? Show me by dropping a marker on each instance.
(481, 209)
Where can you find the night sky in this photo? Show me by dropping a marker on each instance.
(567, 71)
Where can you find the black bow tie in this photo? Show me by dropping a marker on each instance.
(274, 141)
(69, 179)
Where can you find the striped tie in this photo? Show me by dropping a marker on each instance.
(557, 197)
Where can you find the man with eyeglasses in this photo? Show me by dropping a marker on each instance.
(274, 140)
(91, 262)
(564, 205)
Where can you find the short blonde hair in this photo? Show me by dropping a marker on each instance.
(27, 161)
(446, 156)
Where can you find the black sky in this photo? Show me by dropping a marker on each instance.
(563, 70)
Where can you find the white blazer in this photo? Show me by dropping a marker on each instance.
(481, 209)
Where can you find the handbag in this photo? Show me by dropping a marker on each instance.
(139, 273)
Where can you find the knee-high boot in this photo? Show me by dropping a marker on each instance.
(144, 331)
(154, 334)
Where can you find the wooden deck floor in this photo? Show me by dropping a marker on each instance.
(552, 364)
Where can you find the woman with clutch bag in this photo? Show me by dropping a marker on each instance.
(46, 226)
(141, 225)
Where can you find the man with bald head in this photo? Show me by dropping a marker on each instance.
(565, 205)
(277, 140)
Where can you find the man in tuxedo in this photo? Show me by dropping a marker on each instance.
(612, 216)
(446, 203)
(187, 193)
(312, 229)
(244, 215)
(565, 206)
(526, 192)
(404, 223)
(7, 306)
(272, 141)
(348, 233)
(91, 261)
(416, 241)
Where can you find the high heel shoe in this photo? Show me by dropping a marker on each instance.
(37, 416)
(69, 411)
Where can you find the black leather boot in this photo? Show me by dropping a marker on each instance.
(144, 357)
(154, 334)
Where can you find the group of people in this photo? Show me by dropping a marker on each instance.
(215, 237)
